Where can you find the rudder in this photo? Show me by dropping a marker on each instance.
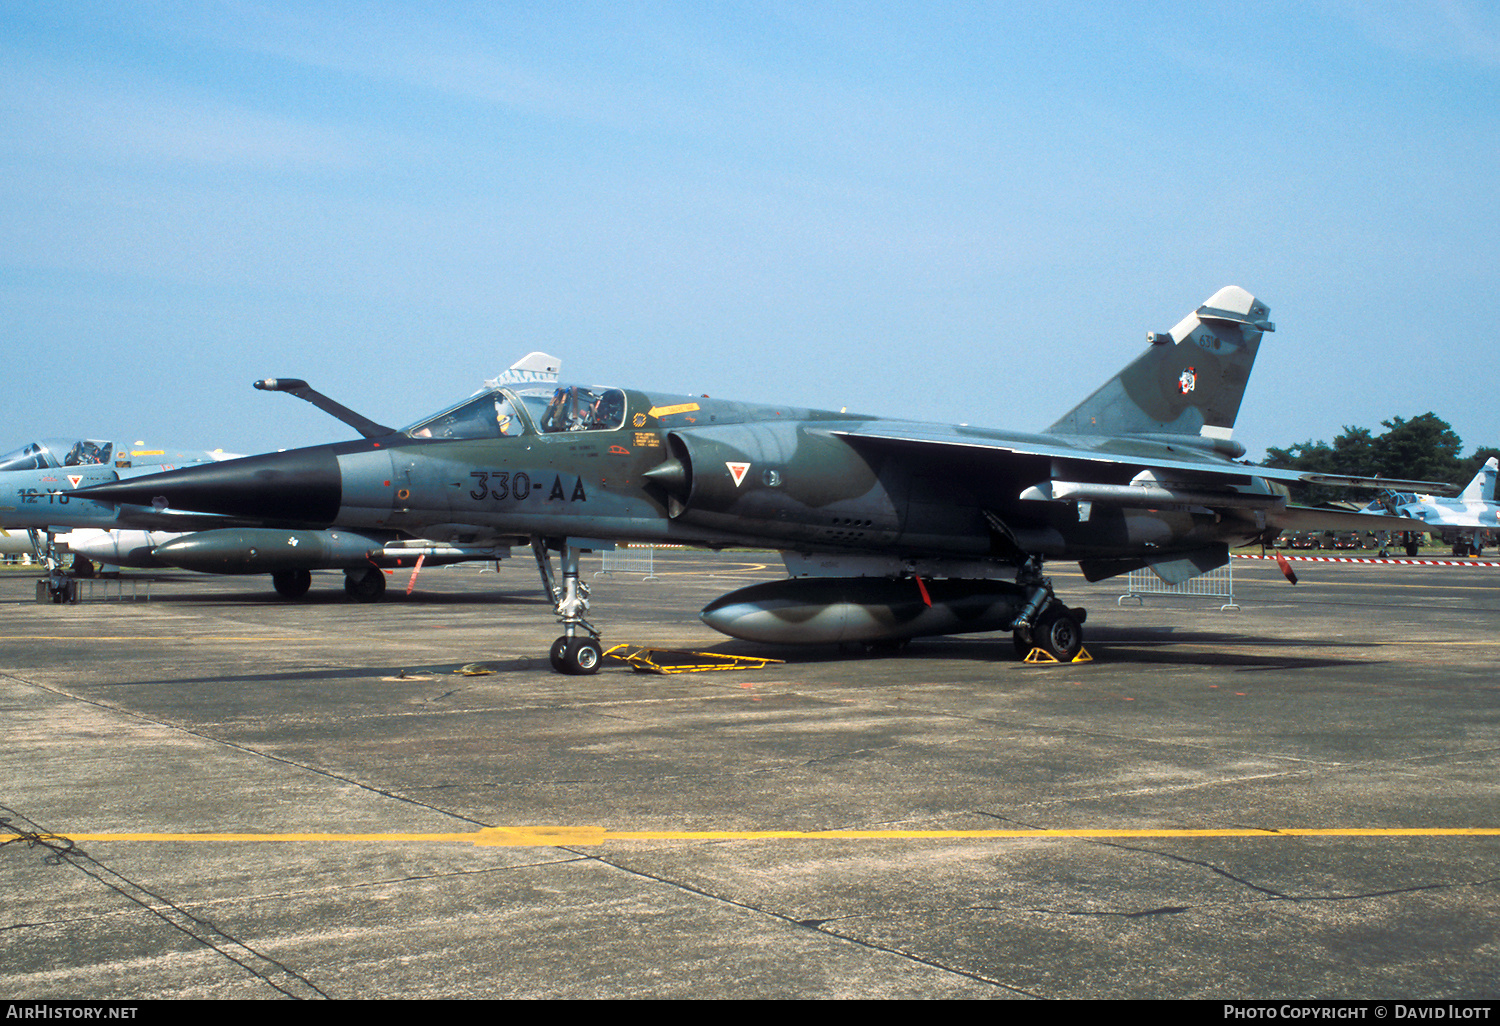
(1189, 382)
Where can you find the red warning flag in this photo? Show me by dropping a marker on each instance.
(926, 598)
(1286, 568)
(418, 569)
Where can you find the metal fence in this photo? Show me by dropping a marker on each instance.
(1214, 584)
(73, 590)
(112, 589)
(637, 560)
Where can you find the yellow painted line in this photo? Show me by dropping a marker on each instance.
(719, 569)
(532, 836)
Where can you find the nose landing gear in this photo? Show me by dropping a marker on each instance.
(578, 651)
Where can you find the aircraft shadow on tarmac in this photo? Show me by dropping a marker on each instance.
(1117, 646)
(203, 593)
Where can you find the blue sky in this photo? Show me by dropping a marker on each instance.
(949, 211)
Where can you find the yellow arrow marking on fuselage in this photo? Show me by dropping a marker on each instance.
(667, 411)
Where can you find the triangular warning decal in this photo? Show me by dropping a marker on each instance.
(738, 472)
(73, 479)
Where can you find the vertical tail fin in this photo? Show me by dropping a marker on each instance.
(1482, 487)
(1189, 382)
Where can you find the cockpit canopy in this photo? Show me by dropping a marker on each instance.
(58, 452)
(1394, 499)
(506, 413)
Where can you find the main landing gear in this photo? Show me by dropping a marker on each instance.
(1029, 609)
(1044, 622)
(576, 652)
(367, 584)
(291, 583)
(60, 587)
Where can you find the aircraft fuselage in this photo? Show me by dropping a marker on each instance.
(704, 471)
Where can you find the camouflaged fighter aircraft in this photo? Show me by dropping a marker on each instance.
(1461, 521)
(890, 529)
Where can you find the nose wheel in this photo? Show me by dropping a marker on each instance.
(578, 656)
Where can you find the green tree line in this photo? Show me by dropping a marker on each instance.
(1424, 448)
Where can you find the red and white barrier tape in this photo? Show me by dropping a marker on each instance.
(1374, 559)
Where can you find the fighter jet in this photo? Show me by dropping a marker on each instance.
(37, 481)
(61, 453)
(1460, 521)
(890, 529)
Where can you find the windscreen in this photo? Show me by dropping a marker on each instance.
(28, 457)
(488, 415)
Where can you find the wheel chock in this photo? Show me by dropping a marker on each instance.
(643, 659)
(1037, 657)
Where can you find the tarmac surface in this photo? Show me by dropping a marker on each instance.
(219, 794)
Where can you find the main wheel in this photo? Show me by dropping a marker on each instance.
(1059, 633)
(368, 586)
(291, 583)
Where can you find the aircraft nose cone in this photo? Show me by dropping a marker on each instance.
(298, 486)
